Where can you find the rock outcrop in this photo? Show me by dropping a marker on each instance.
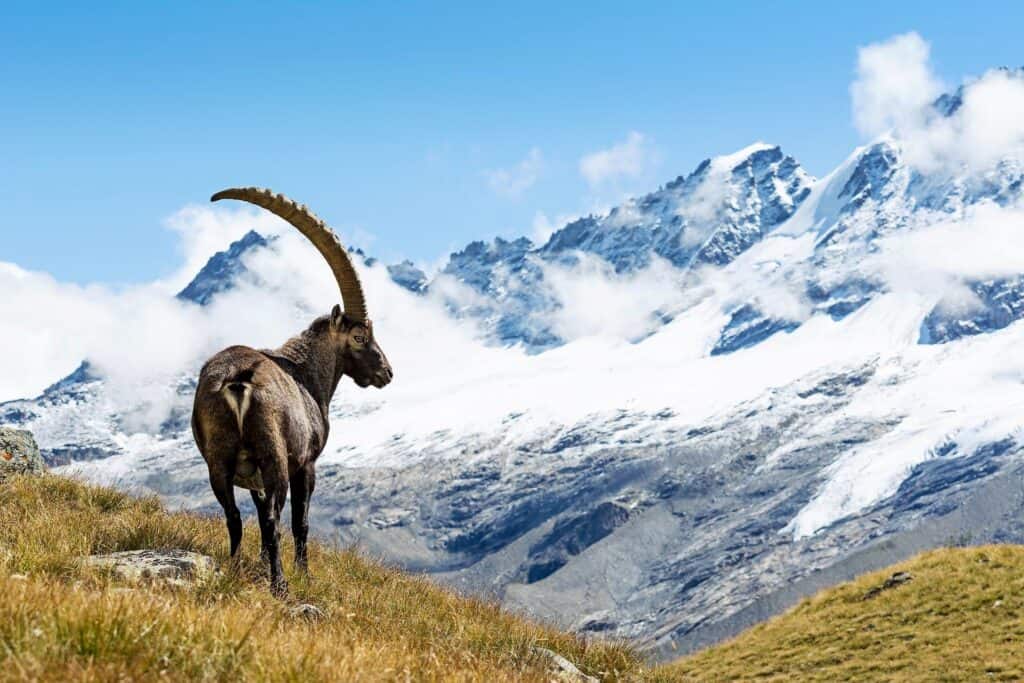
(19, 453)
(176, 567)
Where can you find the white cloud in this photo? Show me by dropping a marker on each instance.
(143, 341)
(990, 124)
(934, 261)
(542, 227)
(707, 200)
(50, 327)
(775, 292)
(628, 159)
(625, 214)
(513, 181)
(893, 94)
(894, 85)
(596, 301)
(205, 230)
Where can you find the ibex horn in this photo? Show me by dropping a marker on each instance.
(322, 237)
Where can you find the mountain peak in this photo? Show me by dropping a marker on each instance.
(222, 270)
(726, 205)
(406, 274)
(949, 103)
(747, 193)
(759, 151)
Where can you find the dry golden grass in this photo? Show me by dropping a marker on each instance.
(961, 618)
(60, 622)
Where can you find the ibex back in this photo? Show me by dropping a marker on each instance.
(260, 418)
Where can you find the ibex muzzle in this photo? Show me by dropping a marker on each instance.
(260, 416)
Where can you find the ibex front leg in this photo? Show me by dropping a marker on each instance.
(302, 482)
(259, 501)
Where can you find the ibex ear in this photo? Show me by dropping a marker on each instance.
(337, 317)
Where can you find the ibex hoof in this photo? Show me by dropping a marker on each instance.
(279, 588)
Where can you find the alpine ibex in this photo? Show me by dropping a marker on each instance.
(260, 417)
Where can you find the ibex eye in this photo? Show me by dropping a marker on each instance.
(360, 340)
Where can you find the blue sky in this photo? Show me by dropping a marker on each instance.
(413, 128)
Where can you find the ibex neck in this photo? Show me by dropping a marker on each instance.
(313, 363)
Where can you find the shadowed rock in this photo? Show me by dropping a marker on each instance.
(897, 579)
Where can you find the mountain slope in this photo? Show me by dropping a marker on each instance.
(956, 618)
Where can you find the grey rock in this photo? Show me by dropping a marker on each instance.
(562, 667)
(897, 579)
(19, 453)
(175, 567)
(308, 612)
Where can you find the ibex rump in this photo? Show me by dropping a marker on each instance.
(260, 418)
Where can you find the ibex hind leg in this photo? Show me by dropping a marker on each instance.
(274, 470)
(222, 476)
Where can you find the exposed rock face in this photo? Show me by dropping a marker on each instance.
(747, 327)
(19, 453)
(998, 303)
(176, 567)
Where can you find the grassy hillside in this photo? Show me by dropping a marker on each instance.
(59, 621)
(960, 618)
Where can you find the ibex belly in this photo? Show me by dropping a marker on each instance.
(247, 475)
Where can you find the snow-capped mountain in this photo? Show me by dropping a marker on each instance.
(816, 378)
(706, 218)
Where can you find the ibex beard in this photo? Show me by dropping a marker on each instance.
(260, 417)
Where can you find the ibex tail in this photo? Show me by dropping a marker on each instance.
(237, 391)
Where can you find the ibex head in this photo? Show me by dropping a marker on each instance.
(361, 357)
(350, 332)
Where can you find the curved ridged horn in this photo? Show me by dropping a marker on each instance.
(322, 237)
